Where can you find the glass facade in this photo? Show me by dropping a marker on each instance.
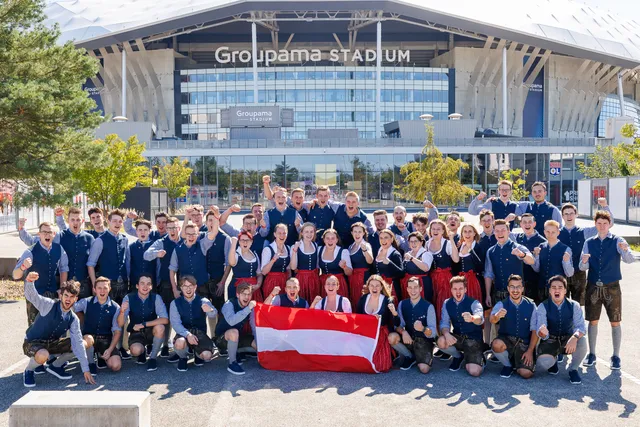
(226, 180)
(321, 97)
(611, 108)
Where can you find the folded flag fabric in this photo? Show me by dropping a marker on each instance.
(297, 340)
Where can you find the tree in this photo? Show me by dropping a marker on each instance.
(519, 180)
(46, 119)
(122, 167)
(435, 177)
(174, 176)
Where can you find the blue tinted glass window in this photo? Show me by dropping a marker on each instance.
(230, 77)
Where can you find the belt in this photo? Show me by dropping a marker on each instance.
(602, 285)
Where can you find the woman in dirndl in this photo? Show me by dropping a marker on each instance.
(471, 265)
(245, 265)
(361, 260)
(304, 262)
(275, 261)
(388, 262)
(417, 262)
(333, 260)
(445, 252)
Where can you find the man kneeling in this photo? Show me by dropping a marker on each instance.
(100, 328)
(188, 315)
(561, 329)
(47, 335)
(517, 339)
(236, 326)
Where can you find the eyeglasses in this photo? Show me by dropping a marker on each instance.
(172, 228)
(47, 233)
(192, 234)
(516, 288)
(244, 240)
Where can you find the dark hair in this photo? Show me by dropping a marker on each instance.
(70, 286)
(161, 215)
(420, 217)
(602, 215)
(243, 286)
(500, 222)
(458, 279)
(142, 221)
(188, 278)
(361, 225)
(569, 206)
(95, 210)
(485, 212)
(514, 278)
(210, 213)
(118, 212)
(539, 184)
(250, 217)
(558, 278)
(380, 212)
(418, 235)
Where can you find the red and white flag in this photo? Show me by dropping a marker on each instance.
(295, 340)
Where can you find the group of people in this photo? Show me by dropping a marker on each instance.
(437, 287)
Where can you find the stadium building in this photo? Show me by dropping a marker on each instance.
(332, 92)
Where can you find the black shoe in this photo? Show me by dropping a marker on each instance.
(197, 361)
(174, 358)
(455, 365)
(164, 353)
(149, 347)
(408, 363)
(29, 379)
(445, 356)
(59, 372)
(190, 351)
(240, 358)
(438, 353)
(152, 365)
(182, 365)
(506, 372)
(101, 363)
(223, 353)
(42, 369)
(124, 354)
(560, 358)
(574, 377)
(93, 369)
(142, 359)
(554, 369)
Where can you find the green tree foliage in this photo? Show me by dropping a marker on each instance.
(121, 168)
(435, 177)
(519, 180)
(174, 176)
(46, 119)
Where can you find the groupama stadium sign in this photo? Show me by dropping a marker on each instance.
(224, 55)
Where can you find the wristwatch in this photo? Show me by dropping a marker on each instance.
(144, 324)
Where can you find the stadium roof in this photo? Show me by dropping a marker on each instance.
(563, 26)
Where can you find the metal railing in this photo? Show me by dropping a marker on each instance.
(367, 143)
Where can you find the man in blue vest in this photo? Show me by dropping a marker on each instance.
(188, 315)
(96, 218)
(502, 207)
(461, 329)
(161, 221)
(400, 225)
(147, 319)
(601, 255)
(291, 297)
(281, 214)
(217, 263)
(540, 208)
(530, 239)
(249, 224)
(552, 258)
(504, 258)
(100, 328)
(561, 330)
(236, 327)
(76, 244)
(296, 201)
(415, 328)
(574, 237)
(47, 259)
(48, 334)
(320, 213)
(139, 266)
(162, 250)
(517, 339)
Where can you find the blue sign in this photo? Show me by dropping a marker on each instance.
(94, 93)
(533, 111)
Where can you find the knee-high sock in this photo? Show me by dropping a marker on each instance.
(212, 322)
(503, 357)
(32, 364)
(232, 349)
(578, 355)
(592, 332)
(486, 332)
(616, 337)
(402, 349)
(63, 358)
(452, 351)
(90, 353)
(155, 348)
(182, 353)
(167, 335)
(545, 361)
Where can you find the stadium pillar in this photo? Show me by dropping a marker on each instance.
(504, 90)
(378, 76)
(254, 57)
(124, 82)
(621, 95)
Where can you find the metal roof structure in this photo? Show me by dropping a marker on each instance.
(564, 26)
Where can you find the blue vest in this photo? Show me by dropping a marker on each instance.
(332, 267)
(50, 327)
(551, 263)
(46, 265)
(604, 263)
(442, 259)
(99, 319)
(303, 214)
(288, 218)
(531, 277)
(112, 259)
(501, 211)
(258, 244)
(169, 246)
(77, 248)
(358, 260)
(388, 270)
(244, 269)
(517, 321)
(308, 262)
(374, 241)
(141, 311)
(215, 257)
(281, 264)
(192, 261)
(286, 302)
(542, 212)
(504, 264)
(411, 313)
(94, 233)
(559, 320)
(223, 326)
(461, 327)
(322, 218)
(394, 228)
(573, 238)
(191, 313)
(342, 223)
(139, 266)
(155, 235)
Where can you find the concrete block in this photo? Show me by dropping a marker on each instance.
(71, 408)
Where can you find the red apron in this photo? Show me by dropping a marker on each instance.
(272, 280)
(389, 281)
(441, 278)
(473, 285)
(257, 294)
(356, 285)
(405, 280)
(309, 284)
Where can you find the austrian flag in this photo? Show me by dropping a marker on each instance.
(295, 340)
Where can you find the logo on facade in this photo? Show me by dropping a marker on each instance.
(225, 56)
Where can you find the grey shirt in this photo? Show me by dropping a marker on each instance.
(264, 232)
(161, 309)
(445, 320)
(81, 306)
(627, 256)
(63, 262)
(204, 243)
(176, 319)
(44, 306)
(431, 319)
(533, 323)
(96, 251)
(488, 266)
(567, 266)
(233, 318)
(578, 317)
